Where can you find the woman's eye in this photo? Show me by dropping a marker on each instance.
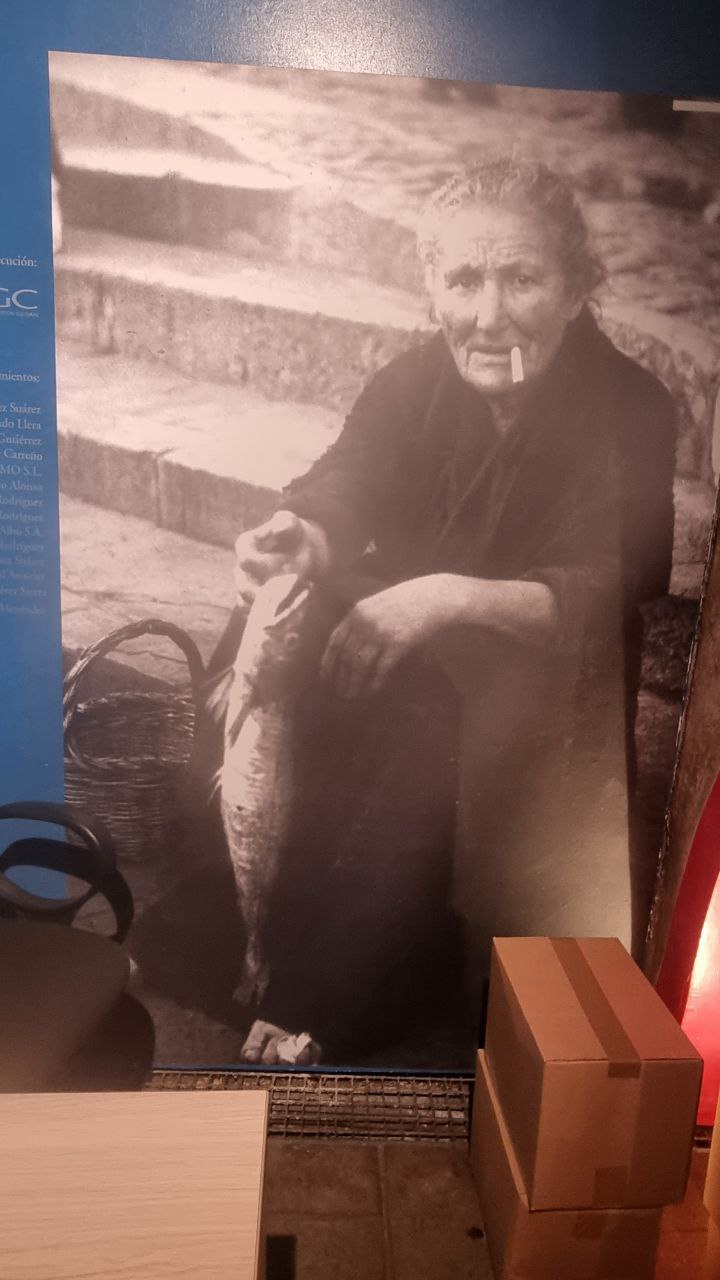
(463, 280)
(523, 280)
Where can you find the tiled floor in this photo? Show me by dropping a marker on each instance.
(408, 1211)
(684, 1230)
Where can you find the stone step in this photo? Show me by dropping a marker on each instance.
(199, 459)
(212, 130)
(209, 461)
(182, 106)
(181, 198)
(287, 334)
(175, 197)
(383, 146)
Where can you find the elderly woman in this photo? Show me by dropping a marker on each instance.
(505, 492)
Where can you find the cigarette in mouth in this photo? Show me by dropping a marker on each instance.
(516, 365)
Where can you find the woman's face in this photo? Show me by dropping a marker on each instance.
(497, 284)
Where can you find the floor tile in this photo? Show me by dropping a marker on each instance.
(680, 1255)
(698, 1170)
(429, 1249)
(333, 1248)
(322, 1178)
(691, 1214)
(425, 1179)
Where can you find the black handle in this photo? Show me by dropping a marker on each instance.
(93, 862)
(91, 831)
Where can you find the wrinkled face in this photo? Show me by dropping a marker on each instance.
(498, 284)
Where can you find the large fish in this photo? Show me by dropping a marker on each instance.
(278, 653)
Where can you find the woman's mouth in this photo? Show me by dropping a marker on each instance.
(490, 353)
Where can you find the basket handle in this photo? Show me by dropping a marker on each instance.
(131, 631)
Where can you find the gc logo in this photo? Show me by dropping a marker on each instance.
(15, 299)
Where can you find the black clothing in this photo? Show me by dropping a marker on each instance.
(509, 801)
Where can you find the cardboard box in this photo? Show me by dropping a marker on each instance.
(575, 1244)
(598, 1084)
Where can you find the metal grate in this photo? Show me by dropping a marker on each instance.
(346, 1106)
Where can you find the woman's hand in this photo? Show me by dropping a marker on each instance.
(284, 544)
(378, 632)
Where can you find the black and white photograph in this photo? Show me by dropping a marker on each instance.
(388, 442)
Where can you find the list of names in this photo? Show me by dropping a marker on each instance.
(23, 532)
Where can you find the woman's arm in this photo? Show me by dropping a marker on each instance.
(524, 611)
(382, 628)
(360, 482)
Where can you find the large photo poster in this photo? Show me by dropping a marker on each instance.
(385, 413)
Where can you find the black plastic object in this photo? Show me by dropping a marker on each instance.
(91, 861)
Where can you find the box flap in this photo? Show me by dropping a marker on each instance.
(586, 999)
(620, 1051)
(548, 1001)
(497, 1120)
(637, 1006)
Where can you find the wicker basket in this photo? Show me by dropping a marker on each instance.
(126, 754)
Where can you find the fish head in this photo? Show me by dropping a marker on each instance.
(278, 647)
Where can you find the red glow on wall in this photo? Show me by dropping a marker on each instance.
(689, 981)
(701, 1022)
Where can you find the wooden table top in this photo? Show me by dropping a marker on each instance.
(131, 1186)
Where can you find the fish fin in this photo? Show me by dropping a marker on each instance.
(215, 783)
(297, 589)
(253, 983)
(232, 731)
(215, 695)
(263, 982)
(245, 992)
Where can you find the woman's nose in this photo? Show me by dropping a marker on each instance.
(489, 306)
